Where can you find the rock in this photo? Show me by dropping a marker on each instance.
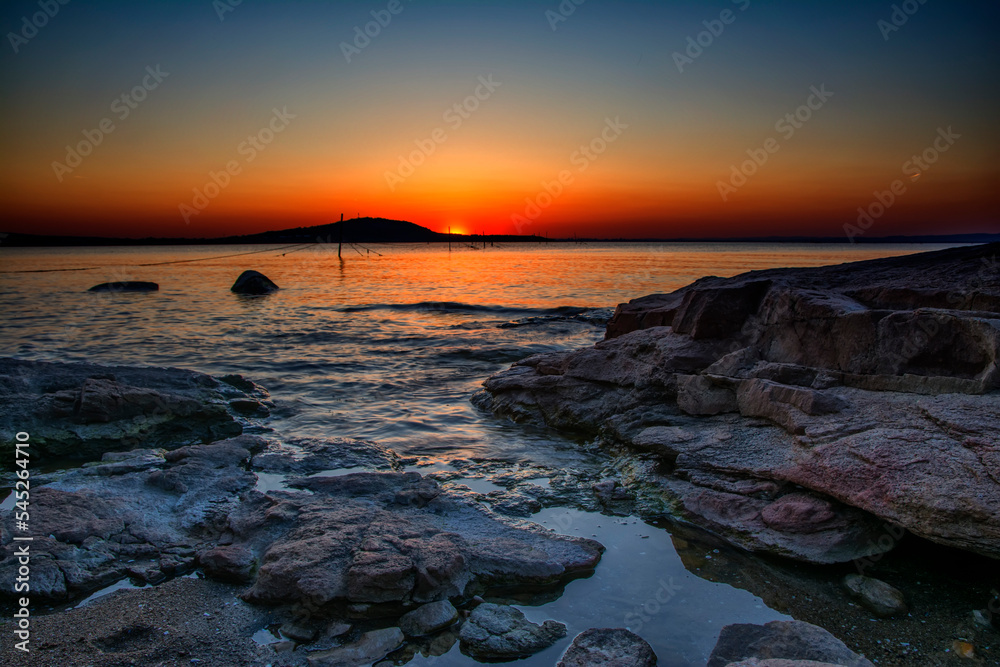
(377, 543)
(297, 632)
(608, 648)
(367, 538)
(229, 563)
(698, 395)
(798, 513)
(74, 517)
(610, 491)
(788, 640)
(800, 526)
(307, 456)
(964, 649)
(878, 596)
(126, 286)
(101, 523)
(499, 632)
(871, 386)
(785, 405)
(82, 411)
(369, 648)
(428, 619)
(253, 283)
(329, 637)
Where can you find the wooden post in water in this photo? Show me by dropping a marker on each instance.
(449, 238)
(340, 243)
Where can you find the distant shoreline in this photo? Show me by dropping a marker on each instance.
(379, 230)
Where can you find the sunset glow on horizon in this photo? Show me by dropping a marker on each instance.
(619, 120)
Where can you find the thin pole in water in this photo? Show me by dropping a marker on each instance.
(340, 243)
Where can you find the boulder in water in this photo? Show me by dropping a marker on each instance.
(608, 648)
(253, 283)
(496, 632)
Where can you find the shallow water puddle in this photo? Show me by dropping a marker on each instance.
(122, 585)
(267, 636)
(269, 481)
(641, 584)
(477, 484)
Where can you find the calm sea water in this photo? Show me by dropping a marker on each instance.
(388, 344)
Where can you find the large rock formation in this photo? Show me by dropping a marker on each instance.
(365, 541)
(81, 411)
(391, 538)
(801, 411)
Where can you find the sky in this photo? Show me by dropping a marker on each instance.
(582, 117)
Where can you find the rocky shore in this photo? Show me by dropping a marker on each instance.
(332, 570)
(824, 416)
(815, 414)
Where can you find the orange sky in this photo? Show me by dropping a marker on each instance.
(529, 99)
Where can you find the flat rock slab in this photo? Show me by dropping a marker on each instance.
(499, 632)
(370, 647)
(144, 514)
(392, 538)
(81, 411)
(608, 648)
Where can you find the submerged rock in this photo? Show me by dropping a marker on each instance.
(499, 632)
(868, 390)
(82, 411)
(253, 283)
(608, 648)
(369, 648)
(126, 286)
(784, 640)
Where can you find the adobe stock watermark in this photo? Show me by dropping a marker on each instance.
(581, 158)
(713, 30)
(122, 106)
(899, 17)
(223, 7)
(562, 13)
(912, 168)
(248, 149)
(30, 25)
(787, 126)
(455, 116)
(363, 36)
(645, 612)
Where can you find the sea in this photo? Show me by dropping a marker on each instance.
(388, 343)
